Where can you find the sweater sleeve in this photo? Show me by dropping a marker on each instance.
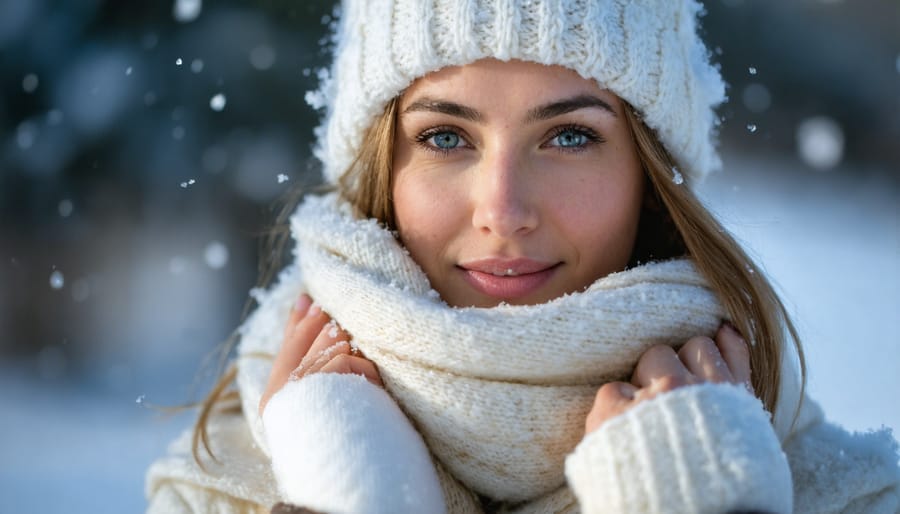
(706, 448)
(339, 445)
(836, 471)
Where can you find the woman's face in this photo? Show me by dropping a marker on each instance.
(514, 182)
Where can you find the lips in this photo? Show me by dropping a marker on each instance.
(507, 279)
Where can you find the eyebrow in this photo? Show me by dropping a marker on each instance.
(449, 108)
(553, 109)
(540, 113)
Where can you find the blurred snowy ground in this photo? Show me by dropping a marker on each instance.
(830, 241)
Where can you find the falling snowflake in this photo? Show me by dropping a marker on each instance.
(217, 102)
(57, 280)
(820, 142)
(216, 255)
(186, 11)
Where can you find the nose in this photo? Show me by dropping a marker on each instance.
(505, 202)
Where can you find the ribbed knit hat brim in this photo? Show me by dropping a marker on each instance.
(647, 52)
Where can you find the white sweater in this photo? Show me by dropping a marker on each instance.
(698, 449)
(341, 445)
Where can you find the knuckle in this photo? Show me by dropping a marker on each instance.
(607, 392)
(670, 382)
(342, 361)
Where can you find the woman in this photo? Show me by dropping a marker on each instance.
(515, 249)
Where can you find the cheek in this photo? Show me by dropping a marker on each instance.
(601, 218)
(427, 214)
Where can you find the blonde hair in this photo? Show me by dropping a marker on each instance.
(673, 223)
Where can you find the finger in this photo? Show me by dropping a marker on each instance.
(701, 357)
(297, 343)
(330, 334)
(350, 364)
(298, 312)
(295, 346)
(736, 354)
(612, 399)
(658, 362)
(330, 353)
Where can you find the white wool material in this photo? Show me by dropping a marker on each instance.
(472, 379)
(645, 51)
(364, 426)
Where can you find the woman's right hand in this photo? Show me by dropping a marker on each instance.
(314, 343)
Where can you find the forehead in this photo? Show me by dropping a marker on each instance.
(488, 80)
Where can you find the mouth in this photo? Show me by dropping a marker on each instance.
(507, 279)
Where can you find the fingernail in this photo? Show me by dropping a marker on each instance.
(729, 327)
(303, 304)
(314, 310)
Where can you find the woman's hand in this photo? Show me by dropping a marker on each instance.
(661, 369)
(313, 343)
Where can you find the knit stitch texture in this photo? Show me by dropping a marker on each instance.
(646, 51)
(472, 379)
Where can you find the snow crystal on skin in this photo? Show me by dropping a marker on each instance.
(333, 329)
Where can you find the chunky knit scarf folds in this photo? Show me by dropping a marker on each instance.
(500, 395)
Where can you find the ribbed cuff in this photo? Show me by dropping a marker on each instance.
(703, 449)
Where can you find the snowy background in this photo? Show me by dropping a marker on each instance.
(142, 148)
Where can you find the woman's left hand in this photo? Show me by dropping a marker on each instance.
(661, 369)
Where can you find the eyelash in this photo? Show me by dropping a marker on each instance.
(423, 139)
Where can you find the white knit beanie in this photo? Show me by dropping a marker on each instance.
(646, 51)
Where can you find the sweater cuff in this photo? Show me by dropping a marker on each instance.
(340, 444)
(707, 448)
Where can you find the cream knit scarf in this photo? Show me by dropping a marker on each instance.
(500, 395)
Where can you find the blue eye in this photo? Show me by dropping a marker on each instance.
(570, 138)
(573, 138)
(445, 140)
